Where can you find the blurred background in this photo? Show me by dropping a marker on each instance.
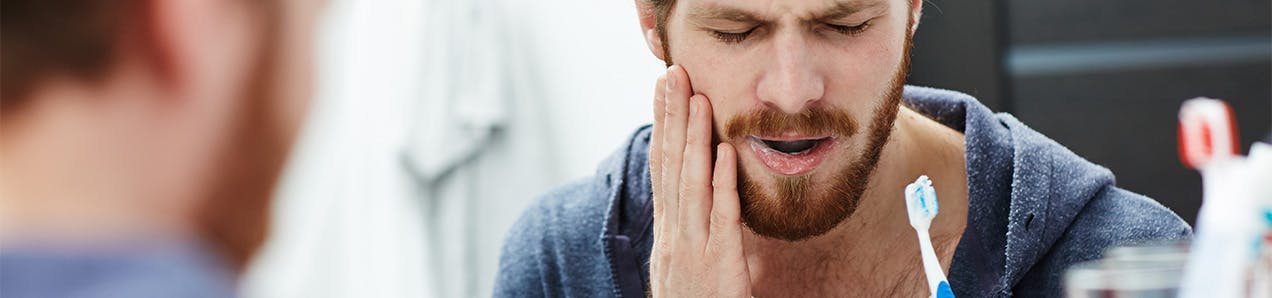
(436, 122)
(1106, 78)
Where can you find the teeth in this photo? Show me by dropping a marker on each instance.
(791, 147)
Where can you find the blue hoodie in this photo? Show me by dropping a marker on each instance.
(137, 268)
(1034, 209)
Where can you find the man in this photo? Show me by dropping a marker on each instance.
(141, 141)
(782, 140)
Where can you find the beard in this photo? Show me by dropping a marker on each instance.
(797, 211)
(233, 217)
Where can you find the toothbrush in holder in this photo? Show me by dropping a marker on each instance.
(920, 203)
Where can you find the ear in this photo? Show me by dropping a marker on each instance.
(163, 40)
(195, 45)
(653, 38)
(916, 13)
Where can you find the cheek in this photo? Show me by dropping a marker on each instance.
(861, 74)
(299, 82)
(718, 75)
(709, 67)
(295, 63)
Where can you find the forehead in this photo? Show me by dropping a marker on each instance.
(773, 9)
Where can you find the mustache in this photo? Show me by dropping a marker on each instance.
(816, 120)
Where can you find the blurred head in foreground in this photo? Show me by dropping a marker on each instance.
(126, 122)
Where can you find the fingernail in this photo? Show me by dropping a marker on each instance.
(693, 107)
(671, 80)
(720, 152)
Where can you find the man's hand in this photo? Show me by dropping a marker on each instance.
(697, 223)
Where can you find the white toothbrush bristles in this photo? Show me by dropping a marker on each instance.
(921, 206)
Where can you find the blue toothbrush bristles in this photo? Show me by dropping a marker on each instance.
(921, 206)
(921, 201)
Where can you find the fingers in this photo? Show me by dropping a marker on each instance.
(726, 218)
(695, 184)
(697, 228)
(725, 238)
(675, 121)
(655, 152)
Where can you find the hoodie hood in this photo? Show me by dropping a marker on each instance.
(1025, 191)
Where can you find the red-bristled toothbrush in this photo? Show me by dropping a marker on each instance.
(1227, 225)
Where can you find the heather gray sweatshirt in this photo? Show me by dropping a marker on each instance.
(1035, 208)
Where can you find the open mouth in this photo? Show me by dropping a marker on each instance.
(791, 156)
(796, 147)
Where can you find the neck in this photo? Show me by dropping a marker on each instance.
(877, 241)
(80, 164)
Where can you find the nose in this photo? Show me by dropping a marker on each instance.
(790, 82)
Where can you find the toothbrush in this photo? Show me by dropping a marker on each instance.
(1208, 142)
(920, 204)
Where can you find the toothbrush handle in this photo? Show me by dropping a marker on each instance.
(930, 264)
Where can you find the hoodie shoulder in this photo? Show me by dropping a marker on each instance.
(1035, 207)
(552, 249)
(1066, 210)
(561, 245)
(1114, 217)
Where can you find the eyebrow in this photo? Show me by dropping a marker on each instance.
(844, 9)
(723, 13)
(839, 10)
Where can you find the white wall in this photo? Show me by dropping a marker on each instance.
(597, 66)
(350, 216)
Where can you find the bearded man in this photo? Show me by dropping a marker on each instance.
(783, 138)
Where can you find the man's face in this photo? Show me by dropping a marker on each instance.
(806, 91)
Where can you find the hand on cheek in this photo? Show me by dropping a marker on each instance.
(697, 223)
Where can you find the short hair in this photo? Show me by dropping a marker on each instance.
(661, 10)
(44, 38)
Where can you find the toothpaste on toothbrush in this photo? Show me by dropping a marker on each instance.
(921, 206)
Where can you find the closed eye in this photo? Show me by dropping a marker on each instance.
(849, 30)
(732, 37)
